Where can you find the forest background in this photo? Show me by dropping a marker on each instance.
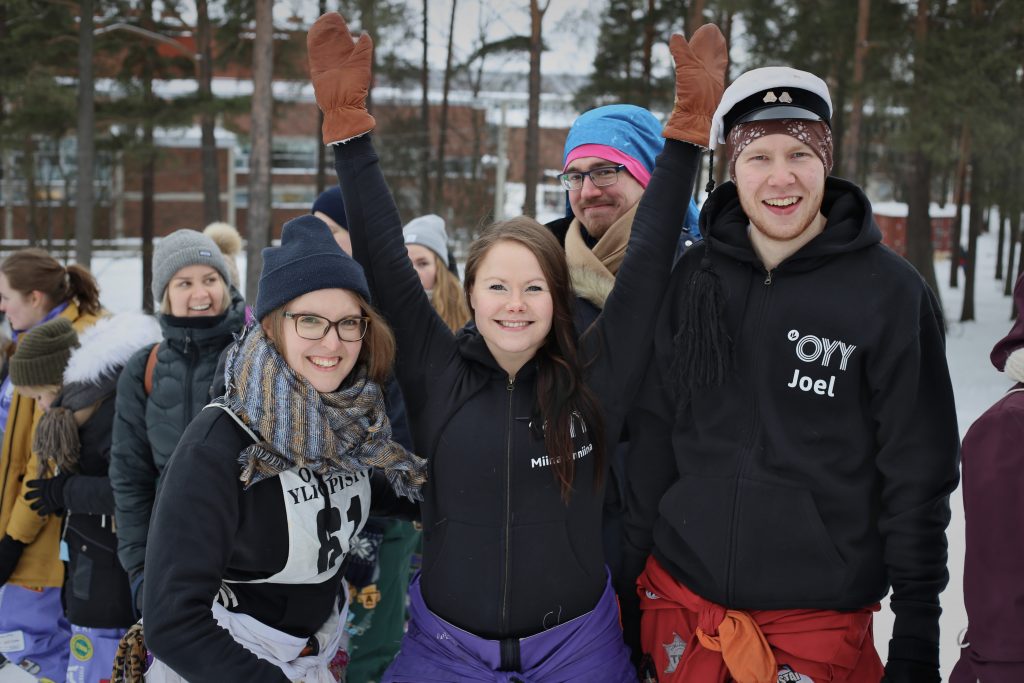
(927, 93)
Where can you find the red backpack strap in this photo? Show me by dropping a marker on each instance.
(150, 364)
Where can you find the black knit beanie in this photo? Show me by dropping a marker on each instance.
(331, 204)
(307, 260)
(42, 354)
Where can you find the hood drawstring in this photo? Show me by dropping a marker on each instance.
(711, 172)
(702, 349)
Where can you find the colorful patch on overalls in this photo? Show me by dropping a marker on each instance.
(787, 675)
(674, 650)
(81, 647)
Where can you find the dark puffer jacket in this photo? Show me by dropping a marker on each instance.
(96, 589)
(147, 428)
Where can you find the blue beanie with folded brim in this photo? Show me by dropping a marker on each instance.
(630, 129)
(307, 260)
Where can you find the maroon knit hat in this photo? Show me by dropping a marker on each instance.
(1015, 337)
(815, 134)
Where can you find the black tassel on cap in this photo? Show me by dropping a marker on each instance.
(702, 349)
(711, 172)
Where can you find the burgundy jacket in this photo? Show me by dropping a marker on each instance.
(993, 490)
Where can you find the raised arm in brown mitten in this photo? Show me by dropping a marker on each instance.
(340, 69)
(700, 81)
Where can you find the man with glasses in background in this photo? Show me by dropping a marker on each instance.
(607, 163)
(608, 159)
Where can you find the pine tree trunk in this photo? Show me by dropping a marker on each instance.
(646, 76)
(207, 118)
(439, 203)
(919, 225)
(1011, 272)
(696, 16)
(148, 175)
(28, 171)
(1003, 221)
(424, 122)
(961, 192)
(84, 193)
(973, 230)
(860, 51)
(258, 228)
(532, 166)
(321, 149)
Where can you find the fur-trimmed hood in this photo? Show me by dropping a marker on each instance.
(591, 285)
(106, 347)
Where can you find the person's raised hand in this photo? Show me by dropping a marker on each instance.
(700, 82)
(340, 69)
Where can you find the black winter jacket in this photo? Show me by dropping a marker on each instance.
(96, 588)
(241, 552)
(819, 474)
(503, 555)
(147, 428)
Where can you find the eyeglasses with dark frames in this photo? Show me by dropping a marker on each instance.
(601, 177)
(313, 327)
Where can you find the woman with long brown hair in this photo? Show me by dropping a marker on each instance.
(34, 288)
(513, 412)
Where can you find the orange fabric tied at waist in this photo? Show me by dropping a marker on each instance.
(693, 639)
(744, 648)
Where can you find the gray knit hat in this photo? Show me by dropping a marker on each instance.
(428, 231)
(180, 249)
(42, 354)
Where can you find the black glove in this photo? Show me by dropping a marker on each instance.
(47, 495)
(364, 556)
(905, 671)
(136, 587)
(912, 660)
(10, 553)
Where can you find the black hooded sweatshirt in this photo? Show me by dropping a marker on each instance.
(504, 556)
(819, 473)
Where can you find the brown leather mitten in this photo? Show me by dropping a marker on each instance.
(700, 82)
(340, 69)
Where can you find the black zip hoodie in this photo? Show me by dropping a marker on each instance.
(819, 474)
(503, 555)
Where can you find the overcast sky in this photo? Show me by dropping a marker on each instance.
(570, 29)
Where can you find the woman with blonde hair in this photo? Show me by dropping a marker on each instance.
(164, 386)
(427, 244)
(34, 288)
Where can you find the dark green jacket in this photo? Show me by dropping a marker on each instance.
(147, 428)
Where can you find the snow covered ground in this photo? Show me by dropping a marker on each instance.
(975, 381)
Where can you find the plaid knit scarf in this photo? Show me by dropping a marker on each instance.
(345, 431)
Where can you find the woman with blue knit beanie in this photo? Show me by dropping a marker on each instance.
(270, 482)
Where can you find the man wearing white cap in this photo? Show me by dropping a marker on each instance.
(813, 473)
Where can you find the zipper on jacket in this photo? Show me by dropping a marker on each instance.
(190, 370)
(748, 446)
(510, 386)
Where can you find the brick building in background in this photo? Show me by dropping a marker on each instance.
(471, 158)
